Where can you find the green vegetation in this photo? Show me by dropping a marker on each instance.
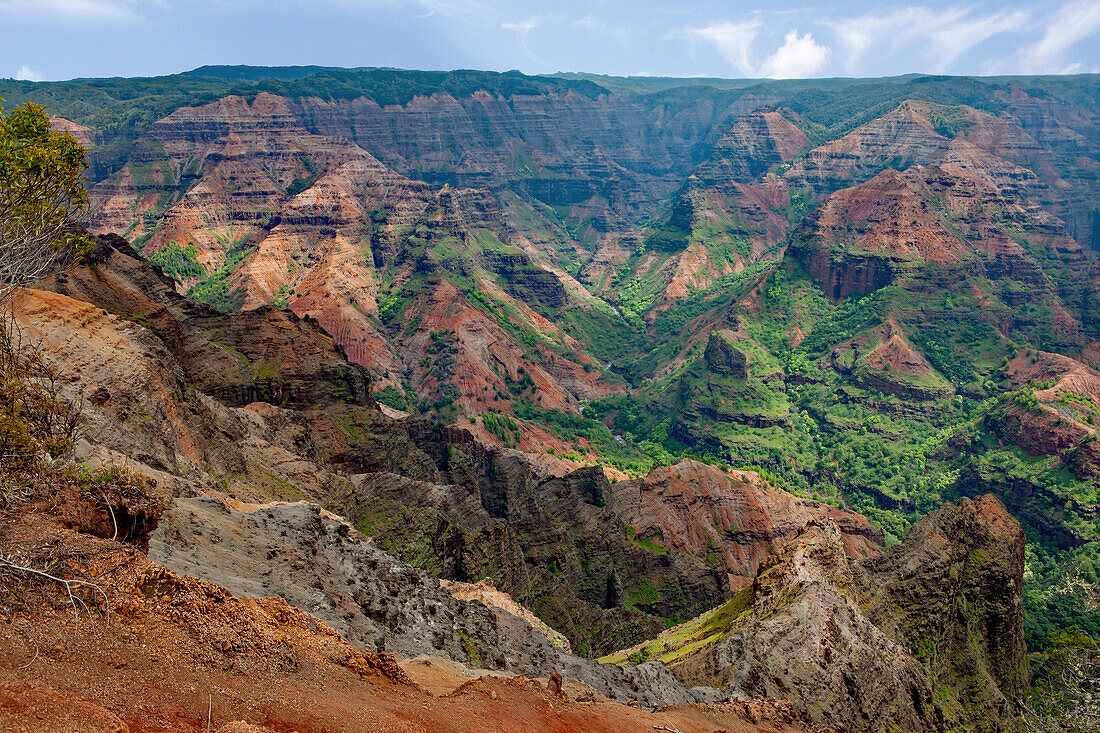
(217, 290)
(392, 397)
(502, 426)
(178, 262)
(618, 452)
(41, 188)
(691, 637)
(820, 412)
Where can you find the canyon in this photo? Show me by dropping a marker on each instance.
(502, 400)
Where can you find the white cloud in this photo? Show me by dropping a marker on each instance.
(953, 41)
(79, 9)
(524, 26)
(798, 57)
(732, 40)
(591, 23)
(26, 73)
(940, 36)
(457, 8)
(1073, 23)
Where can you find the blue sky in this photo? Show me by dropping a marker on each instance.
(62, 39)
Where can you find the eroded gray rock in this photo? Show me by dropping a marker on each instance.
(319, 563)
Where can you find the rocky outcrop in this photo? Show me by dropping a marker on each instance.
(319, 563)
(1056, 417)
(751, 146)
(704, 512)
(804, 638)
(722, 357)
(584, 554)
(485, 139)
(883, 359)
(266, 355)
(927, 636)
(142, 619)
(552, 542)
(958, 580)
(740, 391)
(528, 282)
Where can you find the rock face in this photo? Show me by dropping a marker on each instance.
(754, 143)
(251, 207)
(1054, 420)
(264, 406)
(883, 359)
(724, 358)
(958, 580)
(319, 563)
(907, 201)
(805, 639)
(580, 552)
(254, 650)
(1051, 415)
(484, 139)
(699, 510)
(927, 636)
(863, 237)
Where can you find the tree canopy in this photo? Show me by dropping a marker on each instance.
(41, 194)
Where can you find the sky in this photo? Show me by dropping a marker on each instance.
(63, 39)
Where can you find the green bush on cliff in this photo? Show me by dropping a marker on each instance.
(179, 263)
(218, 290)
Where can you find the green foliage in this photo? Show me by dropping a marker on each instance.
(649, 545)
(671, 322)
(1059, 593)
(851, 316)
(392, 397)
(35, 418)
(178, 263)
(615, 450)
(692, 637)
(949, 121)
(217, 289)
(398, 86)
(503, 427)
(41, 189)
(297, 186)
(667, 239)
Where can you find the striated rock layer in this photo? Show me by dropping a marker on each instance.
(241, 202)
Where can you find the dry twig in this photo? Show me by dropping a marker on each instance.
(8, 564)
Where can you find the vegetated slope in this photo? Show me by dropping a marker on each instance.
(831, 294)
(262, 405)
(958, 253)
(927, 636)
(868, 356)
